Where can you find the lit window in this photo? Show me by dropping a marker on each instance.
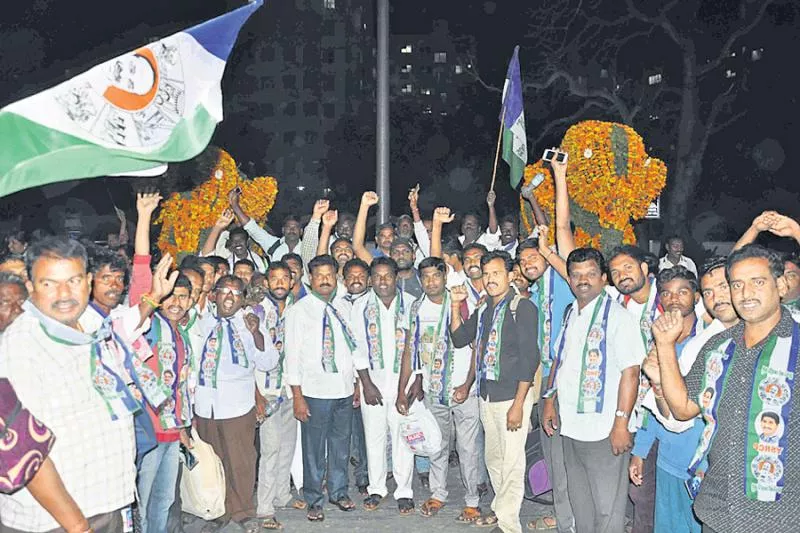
(406, 69)
(330, 4)
(459, 69)
(655, 79)
(407, 89)
(440, 57)
(406, 49)
(426, 92)
(730, 73)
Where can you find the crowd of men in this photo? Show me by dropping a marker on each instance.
(663, 393)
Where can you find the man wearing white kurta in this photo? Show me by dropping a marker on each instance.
(319, 367)
(380, 323)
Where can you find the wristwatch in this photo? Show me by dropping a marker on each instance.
(621, 414)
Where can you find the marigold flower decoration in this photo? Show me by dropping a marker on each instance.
(185, 215)
(611, 182)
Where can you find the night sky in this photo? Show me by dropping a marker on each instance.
(748, 167)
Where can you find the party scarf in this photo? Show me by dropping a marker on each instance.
(145, 386)
(591, 391)
(440, 359)
(276, 327)
(773, 381)
(109, 385)
(544, 304)
(374, 331)
(176, 412)
(650, 311)
(489, 353)
(212, 351)
(328, 341)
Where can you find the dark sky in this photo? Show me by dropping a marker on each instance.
(754, 155)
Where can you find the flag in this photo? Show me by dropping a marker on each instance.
(515, 148)
(128, 116)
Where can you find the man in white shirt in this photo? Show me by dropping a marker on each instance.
(595, 379)
(675, 257)
(274, 247)
(236, 345)
(471, 227)
(380, 322)
(46, 355)
(439, 369)
(319, 368)
(278, 431)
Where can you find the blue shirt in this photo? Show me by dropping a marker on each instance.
(561, 297)
(675, 450)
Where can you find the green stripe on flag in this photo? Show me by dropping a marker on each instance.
(32, 154)
(515, 164)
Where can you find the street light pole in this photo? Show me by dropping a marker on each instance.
(382, 148)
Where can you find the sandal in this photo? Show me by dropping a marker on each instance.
(469, 515)
(344, 504)
(541, 524)
(431, 507)
(372, 502)
(270, 522)
(405, 506)
(487, 520)
(315, 514)
(296, 504)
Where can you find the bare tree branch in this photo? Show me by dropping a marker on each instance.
(547, 128)
(741, 32)
(661, 20)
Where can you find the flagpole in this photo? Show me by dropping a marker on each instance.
(497, 152)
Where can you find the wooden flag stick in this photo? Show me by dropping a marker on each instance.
(497, 152)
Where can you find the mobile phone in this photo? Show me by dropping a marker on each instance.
(549, 155)
(561, 157)
(188, 457)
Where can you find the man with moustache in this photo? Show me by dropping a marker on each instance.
(278, 431)
(639, 294)
(737, 480)
(356, 280)
(299, 288)
(273, 246)
(12, 295)
(678, 292)
(236, 344)
(476, 293)
(471, 227)
(440, 369)
(508, 235)
(89, 407)
(384, 233)
(551, 295)
(380, 322)
(319, 368)
(594, 379)
(504, 332)
(340, 248)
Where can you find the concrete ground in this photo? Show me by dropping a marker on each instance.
(386, 517)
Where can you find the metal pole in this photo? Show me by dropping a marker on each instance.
(382, 154)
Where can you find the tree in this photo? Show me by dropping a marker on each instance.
(590, 53)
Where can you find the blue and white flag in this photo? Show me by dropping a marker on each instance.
(515, 148)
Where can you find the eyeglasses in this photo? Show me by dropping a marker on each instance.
(225, 291)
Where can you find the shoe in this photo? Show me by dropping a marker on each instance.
(362, 490)
(453, 459)
(424, 479)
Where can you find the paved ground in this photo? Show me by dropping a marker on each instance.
(386, 518)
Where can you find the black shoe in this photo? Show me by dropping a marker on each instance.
(362, 490)
(424, 479)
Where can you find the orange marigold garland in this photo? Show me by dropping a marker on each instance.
(611, 181)
(184, 216)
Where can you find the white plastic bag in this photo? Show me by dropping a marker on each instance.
(420, 431)
(203, 487)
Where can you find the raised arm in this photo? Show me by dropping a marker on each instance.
(666, 330)
(311, 238)
(490, 200)
(565, 241)
(141, 275)
(420, 234)
(261, 236)
(368, 199)
(538, 213)
(329, 220)
(223, 221)
(123, 226)
(441, 216)
(558, 263)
